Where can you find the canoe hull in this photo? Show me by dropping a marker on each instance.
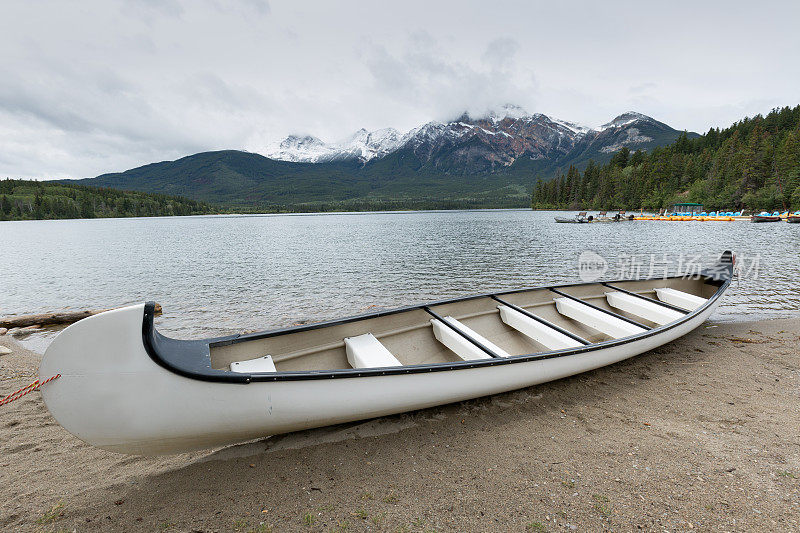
(114, 396)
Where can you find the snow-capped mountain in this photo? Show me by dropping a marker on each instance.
(625, 119)
(489, 142)
(301, 148)
(363, 145)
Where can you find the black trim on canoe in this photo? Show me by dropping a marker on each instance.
(191, 359)
(542, 321)
(651, 300)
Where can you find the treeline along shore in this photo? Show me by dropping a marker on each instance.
(37, 200)
(754, 164)
(32, 200)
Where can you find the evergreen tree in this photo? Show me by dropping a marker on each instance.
(637, 158)
(620, 158)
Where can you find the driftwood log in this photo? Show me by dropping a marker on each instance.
(51, 319)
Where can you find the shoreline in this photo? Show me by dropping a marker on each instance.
(293, 213)
(698, 434)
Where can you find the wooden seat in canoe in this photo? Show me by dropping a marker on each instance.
(640, 306)
(463, 344)
(365, 351)
(603, 321)
(687, 301)
(260, 364)
(538, 330)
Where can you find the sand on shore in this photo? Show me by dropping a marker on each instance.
(700, 434)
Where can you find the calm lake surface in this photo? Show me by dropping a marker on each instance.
(217, 275)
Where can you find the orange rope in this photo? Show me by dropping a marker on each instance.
(26, 389)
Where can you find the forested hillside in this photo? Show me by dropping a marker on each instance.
(754, 164)
(251, 182)
(22, 200)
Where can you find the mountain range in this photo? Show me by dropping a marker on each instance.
(488, 161)
(505, 136)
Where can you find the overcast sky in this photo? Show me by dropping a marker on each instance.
(105, 85)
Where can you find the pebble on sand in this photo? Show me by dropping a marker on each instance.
(3, 331)
(4, 350)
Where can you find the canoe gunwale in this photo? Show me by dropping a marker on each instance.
(191, 358)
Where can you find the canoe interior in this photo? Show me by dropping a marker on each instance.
(409, 337)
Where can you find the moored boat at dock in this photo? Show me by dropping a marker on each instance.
(766, 217)
(580, 218)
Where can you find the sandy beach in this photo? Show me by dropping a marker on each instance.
(701, 434)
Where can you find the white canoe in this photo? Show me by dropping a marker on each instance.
(125, 387)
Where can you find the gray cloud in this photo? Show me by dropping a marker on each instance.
(500, 52)
(423, 75)
(151, 8)
(106, 85)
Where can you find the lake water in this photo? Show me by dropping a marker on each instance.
(217, 275)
